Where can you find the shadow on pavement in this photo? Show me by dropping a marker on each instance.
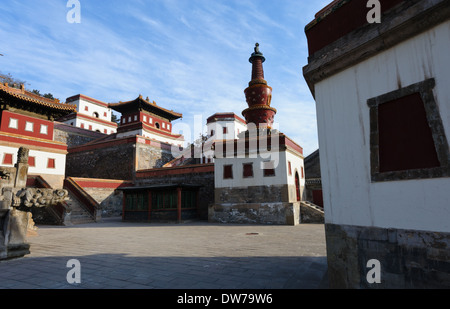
(119, 271)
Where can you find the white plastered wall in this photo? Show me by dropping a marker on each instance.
(344, 138)
(233, 129)
(41, 160)
(258, 179)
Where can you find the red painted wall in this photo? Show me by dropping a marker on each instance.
(22, 119)
(342, 21)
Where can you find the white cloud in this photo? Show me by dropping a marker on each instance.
(189, 56)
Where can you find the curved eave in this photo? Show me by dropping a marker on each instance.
(26, 103)
(141, 104)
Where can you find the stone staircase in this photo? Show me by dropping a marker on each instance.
(311, 213)
(77, 215)
(78, 208)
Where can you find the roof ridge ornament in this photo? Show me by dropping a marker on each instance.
(257, 54)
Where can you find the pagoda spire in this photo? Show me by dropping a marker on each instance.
(257, 59)
(258, 94)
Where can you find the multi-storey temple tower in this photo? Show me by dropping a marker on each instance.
(259, 94)
(259, 176)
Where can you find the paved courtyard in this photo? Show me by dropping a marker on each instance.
(198, 255)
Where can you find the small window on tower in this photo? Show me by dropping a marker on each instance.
(44, 129)
(29, 126)
(268, 168)
(13, 123)
(247, 170)
(228, 172)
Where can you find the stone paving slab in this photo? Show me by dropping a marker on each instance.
(196, 255)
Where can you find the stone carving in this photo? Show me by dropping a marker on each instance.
(16, 202)
(5, 174)
(22, 155)
(36, 197)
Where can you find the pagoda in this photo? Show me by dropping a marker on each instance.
(258, 95)
(145, 118)
(258, 177)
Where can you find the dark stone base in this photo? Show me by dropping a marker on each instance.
(255, 213)
(408, 258)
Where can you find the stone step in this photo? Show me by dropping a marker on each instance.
(81, 220)
(312, 205)
(78, 214)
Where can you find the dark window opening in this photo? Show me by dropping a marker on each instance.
(268, 169)
(407, 137)
(227, 171)
(248, 170)
(297, 187)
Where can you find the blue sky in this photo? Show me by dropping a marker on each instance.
(190, 56)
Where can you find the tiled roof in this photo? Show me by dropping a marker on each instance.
(323, 13)
(121, 106)
(24, 95)
(218, 116)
